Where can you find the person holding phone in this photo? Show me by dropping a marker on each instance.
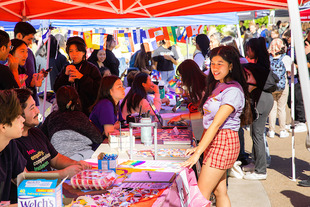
(20, 52)
(82, 75)
(136, 100)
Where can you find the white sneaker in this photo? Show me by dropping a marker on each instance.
(255, 176)
(284, 134)
(300, 127)
(270, 134)
(288, 126)
(248, 168)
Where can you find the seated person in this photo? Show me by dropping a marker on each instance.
(63, 127)
(20, 53)
(8, 74)
(105, 112)
(11, 124)
(136, 98)
(35, 146)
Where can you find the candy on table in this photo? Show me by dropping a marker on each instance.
(116, 197)
(104, 156)
(93, 179)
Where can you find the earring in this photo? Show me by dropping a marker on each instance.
(230, 71)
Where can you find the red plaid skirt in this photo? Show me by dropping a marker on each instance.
(223, 150)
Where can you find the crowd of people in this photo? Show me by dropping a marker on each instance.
(229, 91)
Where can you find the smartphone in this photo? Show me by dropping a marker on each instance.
(178, 104)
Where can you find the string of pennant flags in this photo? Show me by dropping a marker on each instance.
(96, 39)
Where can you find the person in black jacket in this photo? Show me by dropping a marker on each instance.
(82, 75)
(111, 61)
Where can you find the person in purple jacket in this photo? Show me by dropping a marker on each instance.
(106, 114)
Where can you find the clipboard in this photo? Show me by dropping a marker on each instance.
(151, 177)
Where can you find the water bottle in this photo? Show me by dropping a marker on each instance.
(146, 132)
(161, 86)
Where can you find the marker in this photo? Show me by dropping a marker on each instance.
(149, 175)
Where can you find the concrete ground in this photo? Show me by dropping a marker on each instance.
(278, 189)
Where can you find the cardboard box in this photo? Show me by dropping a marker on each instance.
(39, 190)
(107, 164)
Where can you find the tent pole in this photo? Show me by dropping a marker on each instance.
(240, 40)
(187, 48)
(293, 107)
(47, 66)
(300, 56)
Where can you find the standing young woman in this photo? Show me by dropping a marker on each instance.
(262, 99)
(224, 107)
(105, 112)
(97, 58)
(202, 48)
(111, 61)
(82, 75)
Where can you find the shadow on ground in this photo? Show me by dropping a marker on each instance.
(296, 198)
(284, 166)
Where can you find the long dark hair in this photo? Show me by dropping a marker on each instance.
(93, 58)
(106, 85)
(54, 47)
(258, 46)
(136, 93)
(193, 78)
(237, 74)
(64, 95)
(203, 42)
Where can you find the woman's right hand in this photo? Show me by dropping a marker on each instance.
(190, 151)
(175, 119)
(155, 88)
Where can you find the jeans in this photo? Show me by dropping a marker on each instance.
(166, 76)
(264, 107)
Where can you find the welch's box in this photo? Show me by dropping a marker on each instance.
(39, 190)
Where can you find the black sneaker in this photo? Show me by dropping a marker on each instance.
(304, 183)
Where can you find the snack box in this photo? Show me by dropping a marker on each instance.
(39, 189)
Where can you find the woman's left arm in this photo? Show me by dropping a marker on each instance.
(220, 117)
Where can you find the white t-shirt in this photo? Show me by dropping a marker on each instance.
(199, 59)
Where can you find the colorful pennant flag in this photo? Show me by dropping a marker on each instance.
(72, 33)
(125, 42)
(173, 81)
(138, 36)
(170, 34)
(155, 75)
(129, 42)
(182, 36)
(88, 39)
(99, 41)
(194, 30)
(150, 44)
(155, 32)
(45, 36)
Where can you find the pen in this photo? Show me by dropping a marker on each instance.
(149, 175)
